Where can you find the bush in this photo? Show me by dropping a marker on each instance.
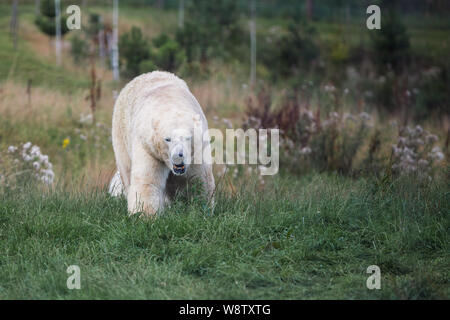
(134, 49)
(292, 52)
(341, 142)
(211, 29)
(168, 55)
(415, 152)
(25, 164)
(307, 140)
(160, 40)
(48, 26)
(141, 58)
(147, 66)
(46, 21)
(433, 94)
(79, 49)
(95, 25)
(391, 44)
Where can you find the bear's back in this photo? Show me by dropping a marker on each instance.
(158, 94)
(147, 84)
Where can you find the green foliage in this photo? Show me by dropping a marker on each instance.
(168, 55)
(46, 21)
(47, 8)
(95, 25)
(339, 52)
(140, 57)
(48, 26)
(191, 42)
(79, 49)
(391, 44)
(292, 52)
(147, 66)
(160, 40)
(134, 49)
(335, 146)
(433, 96)
(384, 91)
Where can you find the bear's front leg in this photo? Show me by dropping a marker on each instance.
(147, 182)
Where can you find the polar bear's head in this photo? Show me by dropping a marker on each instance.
(178, 148)
(176, 143)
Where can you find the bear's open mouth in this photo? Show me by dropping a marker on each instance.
(179, 168)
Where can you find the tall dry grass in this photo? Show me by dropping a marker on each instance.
(44, 106)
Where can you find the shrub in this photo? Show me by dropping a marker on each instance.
(341, 142)
(46, 21)
(307, 140)
(168, 55)
(79, 49)
(160, 40)
(291, 52)
(24, 164)
(147, 66)
(415, 152)
(95, 25)
(391, 44)
(211, 29)
(329, 144)
(433, 95)
(141, 58)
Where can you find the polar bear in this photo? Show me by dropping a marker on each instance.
(153, 126)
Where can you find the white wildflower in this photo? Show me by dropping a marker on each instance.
(334, 115)
(431, 138)
(436, 149)
(86, 119)
(418, 130)
(12, 149)
(423, 163)
(227, 123)
(35, 151)
(364, 116)
(36, 165)
(349, 116)
(305, 150)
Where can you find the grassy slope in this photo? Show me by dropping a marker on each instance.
(312, 238)
(256, 245)
(24, 64)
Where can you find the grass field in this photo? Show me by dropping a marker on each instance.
(304, 236)
(299, 239)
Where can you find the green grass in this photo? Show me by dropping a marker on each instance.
(300, 239)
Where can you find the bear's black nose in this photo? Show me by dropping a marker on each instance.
(180, 154)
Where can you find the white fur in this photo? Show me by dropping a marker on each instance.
(115, 186)
(151, 108)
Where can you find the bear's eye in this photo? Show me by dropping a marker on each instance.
(167, 139)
